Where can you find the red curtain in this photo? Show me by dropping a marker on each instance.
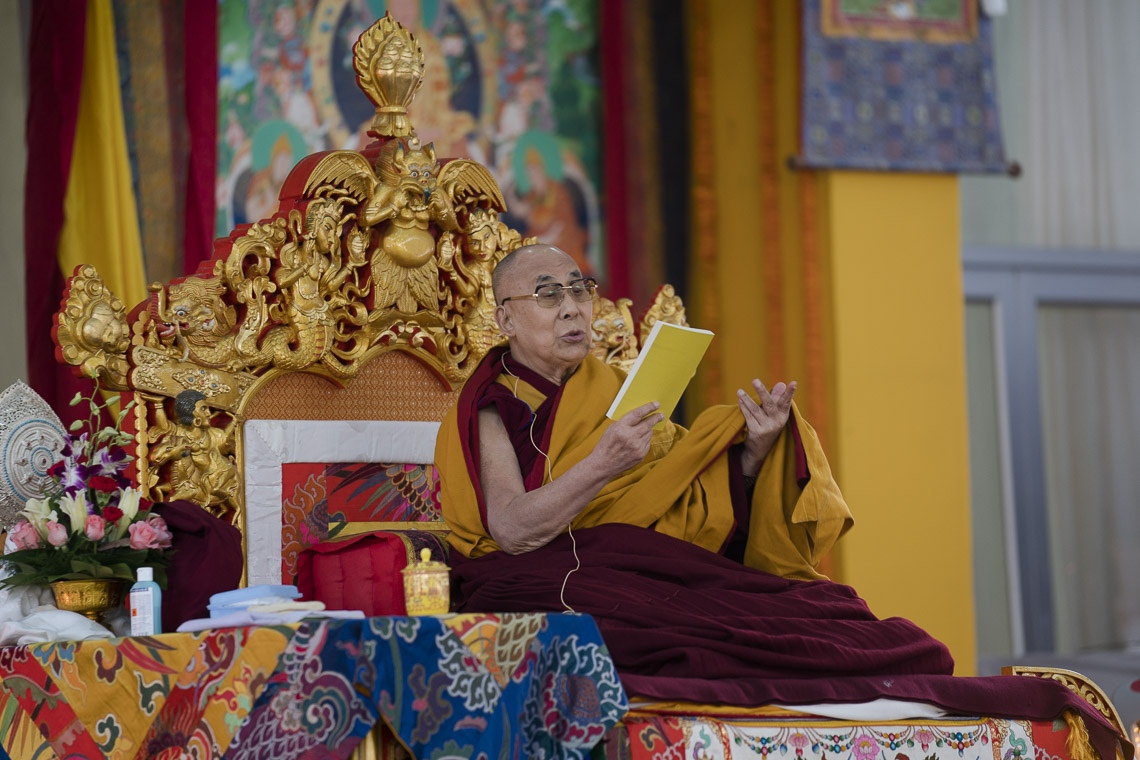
(613, 43)
(201, 80)
(56, 49)
(55, 75)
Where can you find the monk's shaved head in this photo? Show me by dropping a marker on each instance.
(552, 336)
(502, 274)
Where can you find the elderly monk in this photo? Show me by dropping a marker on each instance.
(694, 550)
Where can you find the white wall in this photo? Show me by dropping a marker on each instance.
(13, 361)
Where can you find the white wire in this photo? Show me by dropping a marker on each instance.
(548, 477)
(577, 566)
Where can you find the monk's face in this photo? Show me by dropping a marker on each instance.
(552, 341)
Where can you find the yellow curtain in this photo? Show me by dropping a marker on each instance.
(101, 224)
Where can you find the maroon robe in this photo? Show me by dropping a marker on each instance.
(685, 624)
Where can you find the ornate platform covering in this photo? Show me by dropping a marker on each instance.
(458, 686)
(658, 738)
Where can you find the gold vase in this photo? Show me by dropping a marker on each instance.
(90, 598)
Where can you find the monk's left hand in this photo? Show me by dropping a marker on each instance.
(765, 421)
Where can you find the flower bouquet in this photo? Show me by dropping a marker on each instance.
(93, 525)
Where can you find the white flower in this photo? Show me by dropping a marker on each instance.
(129, 503)
(38, 512)
(75, 507)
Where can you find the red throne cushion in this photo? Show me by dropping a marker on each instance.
(363, 572)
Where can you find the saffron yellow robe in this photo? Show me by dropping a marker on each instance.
(681, 488)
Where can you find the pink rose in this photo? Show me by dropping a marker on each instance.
(57, 534)
(25, 536)
(95, 528)
(143, 536)
(160, 528)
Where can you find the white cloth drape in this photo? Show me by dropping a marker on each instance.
(1090, 382)
(1068, 88)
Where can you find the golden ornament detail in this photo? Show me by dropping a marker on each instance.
(427, 586)
(90, 598)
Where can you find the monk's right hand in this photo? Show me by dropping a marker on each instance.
(626, 442)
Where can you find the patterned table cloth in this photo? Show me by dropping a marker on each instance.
(457, 686)
(659, 737)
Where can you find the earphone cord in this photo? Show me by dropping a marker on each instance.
(548, 478)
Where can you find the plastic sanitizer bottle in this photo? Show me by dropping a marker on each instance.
(146, 605)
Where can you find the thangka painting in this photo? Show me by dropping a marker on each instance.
(924, 20)
(898, 104)
(513, 84)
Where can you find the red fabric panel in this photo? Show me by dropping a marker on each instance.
(359, 573)
(1051, 738)
(55, 77)
(201, 77)
(613, 44)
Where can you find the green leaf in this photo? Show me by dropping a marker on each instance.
(123, 412)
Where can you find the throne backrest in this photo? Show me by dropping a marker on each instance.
(335, 333)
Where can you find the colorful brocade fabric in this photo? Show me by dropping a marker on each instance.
(319, 500)
(457, 686)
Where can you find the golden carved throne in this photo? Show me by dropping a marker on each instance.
(364, 297)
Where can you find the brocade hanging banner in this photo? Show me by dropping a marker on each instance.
(936, 21)
(888, 93)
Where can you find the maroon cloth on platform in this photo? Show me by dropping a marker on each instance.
(683, 623)
(207, 560)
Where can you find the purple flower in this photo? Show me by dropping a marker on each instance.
(72, 479)
(73, 446)
(111, 462)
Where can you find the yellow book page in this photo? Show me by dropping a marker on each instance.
(664, 367)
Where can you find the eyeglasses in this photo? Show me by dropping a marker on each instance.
(550, 295)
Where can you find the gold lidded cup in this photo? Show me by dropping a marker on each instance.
(427, 588)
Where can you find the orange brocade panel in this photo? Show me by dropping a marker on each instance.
(392, 386)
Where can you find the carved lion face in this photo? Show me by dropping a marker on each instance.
(197, 311)
(104, 329)
(612, 326)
